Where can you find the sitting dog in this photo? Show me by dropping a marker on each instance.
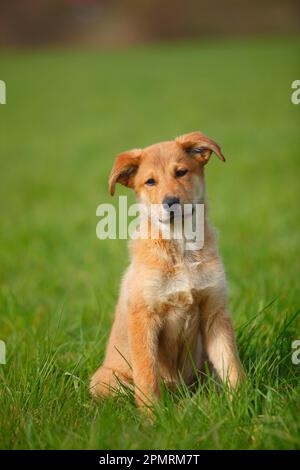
(172, 310)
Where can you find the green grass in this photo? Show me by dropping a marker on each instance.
(68, 113)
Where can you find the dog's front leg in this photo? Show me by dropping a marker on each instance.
(143, 336)
(219, 341)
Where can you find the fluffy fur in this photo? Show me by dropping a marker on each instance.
(172, 311)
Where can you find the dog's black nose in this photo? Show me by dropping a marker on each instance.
(169, 201)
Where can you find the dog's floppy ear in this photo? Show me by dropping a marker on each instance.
(199, 146)
(125, 167)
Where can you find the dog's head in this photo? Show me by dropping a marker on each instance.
(168, 173)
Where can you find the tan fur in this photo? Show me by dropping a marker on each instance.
(172, 310)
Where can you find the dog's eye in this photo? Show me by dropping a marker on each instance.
(150, 182)
(180, 173)
(197, 150)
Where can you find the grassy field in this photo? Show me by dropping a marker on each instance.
(68, 114)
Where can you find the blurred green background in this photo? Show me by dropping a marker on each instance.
(69, 111)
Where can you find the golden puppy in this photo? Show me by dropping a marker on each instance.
(172, 310)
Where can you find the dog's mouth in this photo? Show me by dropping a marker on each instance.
(172, 215)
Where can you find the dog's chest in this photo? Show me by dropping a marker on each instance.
(178, 297)
(181, 287)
